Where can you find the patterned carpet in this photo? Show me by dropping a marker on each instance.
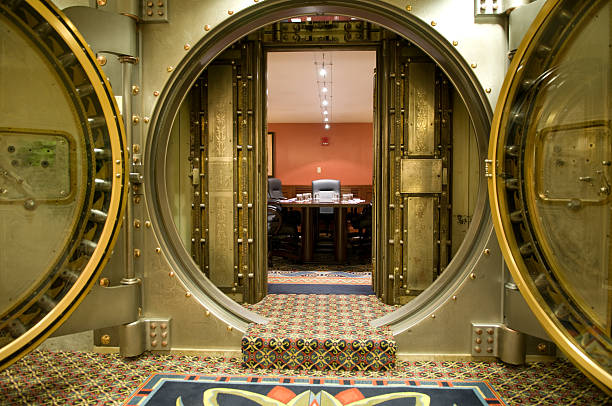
(320, 282)
(60, 378)
(338, 336)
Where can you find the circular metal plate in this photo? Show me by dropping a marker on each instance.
(62, 173)
(550, 157)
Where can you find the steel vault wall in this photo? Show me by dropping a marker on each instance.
(476, 298)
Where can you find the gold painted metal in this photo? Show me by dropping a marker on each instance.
(105, 282)
(107, 129)
(534, 267)
(105, 339)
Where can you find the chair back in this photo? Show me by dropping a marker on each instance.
(275, 189)
(326, 185)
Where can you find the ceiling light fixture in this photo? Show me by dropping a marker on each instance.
(323, 68)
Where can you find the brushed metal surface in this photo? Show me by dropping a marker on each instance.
(221, 174)
(420, 240)
(421, 176)
(421, 108)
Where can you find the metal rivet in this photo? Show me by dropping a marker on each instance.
(101, 3)
(477, 349)
(490, 331)
(486, 251)
(473, 65)
(157, 250)
(433, 316)
(104, 282)
(455, 43)
(136, 223)
(147, 224)
(118, 161)
(171, 274)
(433, 23)
(454, 297)
(229, 328)
(101, 60)
(488, 90)
(207, 27)
(135, 90)
(207, 313)
(153, 334)
(408, 8)
(489, 350)
(187, 294)
(154, 343)
(542, 347)
(156, 93)
(164, 343)
(136, 252)
(478, 331)
(163, 326)
(105, 339)
(154, 325)
(169, 68)
(478, 340)
(146, 119)
(230, 12)
(472, 275)
(490, 340)
(186, 47)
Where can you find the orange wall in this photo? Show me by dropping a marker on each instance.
(299, 152)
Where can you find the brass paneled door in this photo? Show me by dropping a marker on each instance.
(62, 173)
(549, 164)
(228, 158)
(412, 143)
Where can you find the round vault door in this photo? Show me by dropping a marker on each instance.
(61, 173)
(550, 173)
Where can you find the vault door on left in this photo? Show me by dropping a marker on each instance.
(61, 173)
(225, 172)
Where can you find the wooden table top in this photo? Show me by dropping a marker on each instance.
(310, 203)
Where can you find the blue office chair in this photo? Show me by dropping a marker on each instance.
(325, 219)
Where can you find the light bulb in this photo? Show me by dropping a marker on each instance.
(325, 102)
(326, 119)
(322, 72)
(324, 90)
(327, 126)
(325, 112)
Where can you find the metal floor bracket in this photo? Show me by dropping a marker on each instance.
(497, 340)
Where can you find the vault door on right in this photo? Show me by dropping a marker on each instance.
(413, 146)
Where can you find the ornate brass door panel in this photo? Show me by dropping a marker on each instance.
(227, 163)
(411, 175)
(62, 173)
(550, 158)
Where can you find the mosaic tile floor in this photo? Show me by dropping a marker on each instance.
(60, 378)
(339, 335)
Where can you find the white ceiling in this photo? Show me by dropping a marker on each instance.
(293, 91)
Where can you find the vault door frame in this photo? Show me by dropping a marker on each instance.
(228, 161)
(246, 21)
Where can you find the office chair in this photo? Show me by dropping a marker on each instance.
(275, 189)
(325, 214)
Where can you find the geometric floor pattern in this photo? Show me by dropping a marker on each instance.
(319, 332)
(59, 378)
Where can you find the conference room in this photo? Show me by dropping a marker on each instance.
(320, 158)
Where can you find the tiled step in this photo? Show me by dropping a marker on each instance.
(320, 332)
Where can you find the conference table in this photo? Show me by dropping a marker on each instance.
(308, 208)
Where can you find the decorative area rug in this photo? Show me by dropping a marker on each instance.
(319, 332)
(187, 390)
(78, 378)
(320, 282)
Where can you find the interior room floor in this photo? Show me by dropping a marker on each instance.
(85, 378)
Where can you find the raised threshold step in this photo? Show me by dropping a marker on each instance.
(319, 332)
